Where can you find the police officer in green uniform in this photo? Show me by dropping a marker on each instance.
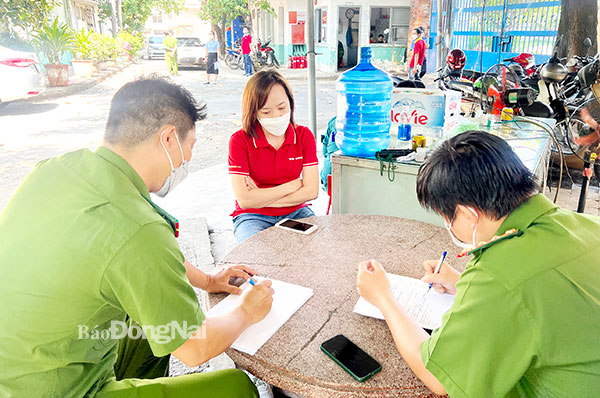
(95, 292)
(170, 45)
(526, 315)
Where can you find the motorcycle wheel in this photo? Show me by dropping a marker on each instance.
(240, 62)
(275, 61)
(231, 61)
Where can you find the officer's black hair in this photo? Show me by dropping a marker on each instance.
(140, 108)
(475, 169)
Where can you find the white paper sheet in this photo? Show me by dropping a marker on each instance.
(423, 306)
(287, 299)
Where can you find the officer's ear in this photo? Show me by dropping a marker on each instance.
(469, 213)
(167, 139)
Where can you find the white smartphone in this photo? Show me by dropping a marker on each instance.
(297, 226)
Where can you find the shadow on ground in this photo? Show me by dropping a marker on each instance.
(25, 108)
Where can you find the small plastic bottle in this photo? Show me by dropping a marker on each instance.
(404, 129)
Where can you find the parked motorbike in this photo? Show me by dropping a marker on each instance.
(264, 56)
(234, 58)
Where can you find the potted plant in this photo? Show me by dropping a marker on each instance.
(82, 65)
(132, 43)
(101, 50)
(54, 40)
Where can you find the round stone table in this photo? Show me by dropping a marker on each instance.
(327, 261)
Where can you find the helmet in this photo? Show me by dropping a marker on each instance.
(553, 72)
(456, 59)
(517, 69)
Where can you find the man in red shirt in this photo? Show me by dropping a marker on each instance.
(246, 40)
(418, 56)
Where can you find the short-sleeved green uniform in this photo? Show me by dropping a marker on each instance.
(170, 44)
(526, 317)
(81, 247)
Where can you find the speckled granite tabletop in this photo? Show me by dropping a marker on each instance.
(327, 261)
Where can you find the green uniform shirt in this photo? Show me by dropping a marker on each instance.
(81, 247)
(526, 316)
(170, 43)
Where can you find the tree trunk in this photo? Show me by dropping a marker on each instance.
(578, 20)
(220, 32)
(113, 17)
(120, 14)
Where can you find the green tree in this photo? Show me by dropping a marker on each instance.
(221, 14)
(24, 16)
(135, 13)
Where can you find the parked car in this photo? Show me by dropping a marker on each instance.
(20, 75)
(191, 52)
(154, 48)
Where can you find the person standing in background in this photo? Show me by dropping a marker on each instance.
(246, 40)
(424, 66)
(212, 61)
(170, 45)
(418, 55)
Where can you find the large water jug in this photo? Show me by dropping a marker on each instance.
(364, 104)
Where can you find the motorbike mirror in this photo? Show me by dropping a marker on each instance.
(587, 43)
(555, 49)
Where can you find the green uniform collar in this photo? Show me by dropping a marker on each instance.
(122, 165)
(523, 216)
(517, 221)
(137, 181)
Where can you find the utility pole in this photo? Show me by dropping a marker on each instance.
(439, 39)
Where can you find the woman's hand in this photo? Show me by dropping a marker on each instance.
(443, 282)
(250, 184)
(373, 284)
(218, 280)
(292, 186)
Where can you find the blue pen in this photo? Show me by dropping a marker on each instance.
(437, 269)
(251, 281)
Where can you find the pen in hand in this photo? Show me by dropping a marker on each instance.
(439, 266)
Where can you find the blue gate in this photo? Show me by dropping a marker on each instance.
(508, 28)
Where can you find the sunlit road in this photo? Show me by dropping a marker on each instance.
(35, 130)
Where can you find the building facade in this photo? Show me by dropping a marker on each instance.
(342, 27)
(81, 14)
(185, 23)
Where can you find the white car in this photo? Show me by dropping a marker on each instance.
(20, 75)
(154, 48)
(191, 52)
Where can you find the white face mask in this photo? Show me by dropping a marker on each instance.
(459, 242)
(275, 125)
(177, 174)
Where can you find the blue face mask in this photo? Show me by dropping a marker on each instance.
(459, 242)
(177, 174)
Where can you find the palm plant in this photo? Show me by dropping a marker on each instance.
(54, 40)
(82, 44)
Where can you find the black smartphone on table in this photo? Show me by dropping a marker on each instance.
(351, 358)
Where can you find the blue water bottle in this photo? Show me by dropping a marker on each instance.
(364, 105)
